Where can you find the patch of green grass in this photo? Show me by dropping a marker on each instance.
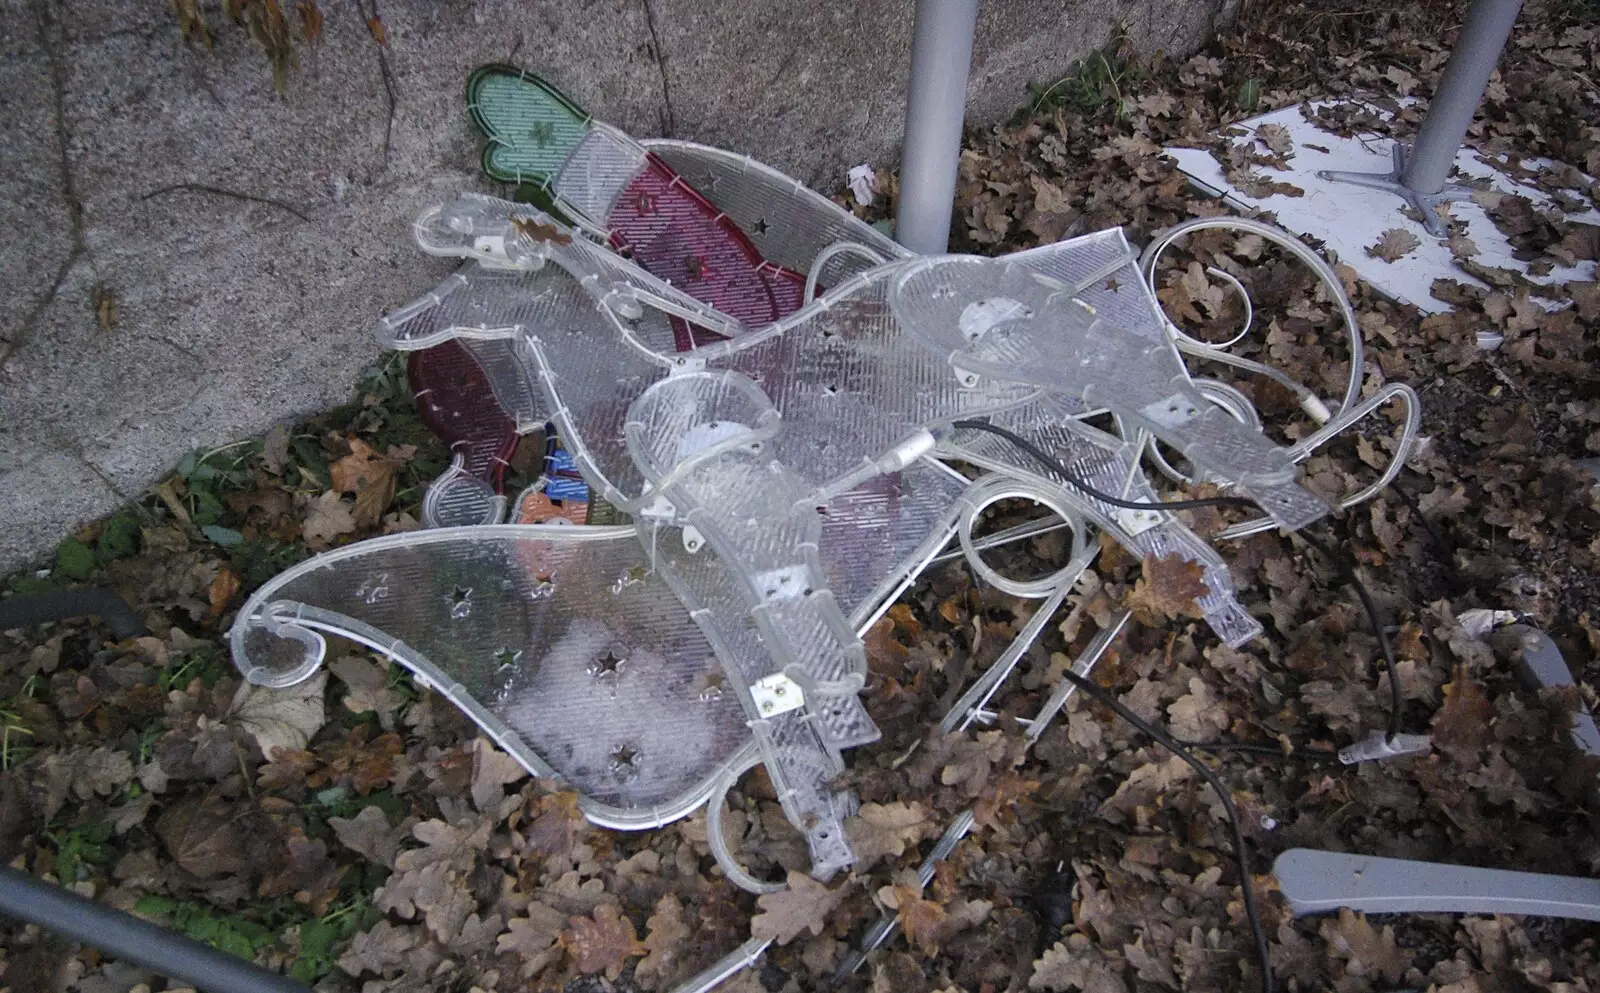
(1095, 84)
(16, 736)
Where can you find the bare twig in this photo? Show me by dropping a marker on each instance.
(221, 192)
(373, 21)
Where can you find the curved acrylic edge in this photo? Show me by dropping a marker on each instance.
(306, 623)
(255, 607)
(786, 184)
(443, 493)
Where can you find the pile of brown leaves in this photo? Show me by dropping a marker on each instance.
(356, 832)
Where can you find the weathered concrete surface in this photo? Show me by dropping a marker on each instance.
(116, 139)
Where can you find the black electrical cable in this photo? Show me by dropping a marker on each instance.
(1270, 751)
(27, 609)
(1246, 889)
(1347, 572)
(130, 939)
(1054, 465)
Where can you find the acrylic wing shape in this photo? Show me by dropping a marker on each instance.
(557, 640)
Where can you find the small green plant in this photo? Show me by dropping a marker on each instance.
(231, 933)
(248, 932)
(79, 848)
(1097, 82)
(205, 662)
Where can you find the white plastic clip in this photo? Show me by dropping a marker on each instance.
(777, 694)
(1379, 745)
(1137, 522)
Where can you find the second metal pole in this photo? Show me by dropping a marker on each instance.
(1466, 76)
(936, 101)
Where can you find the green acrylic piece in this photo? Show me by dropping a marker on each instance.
(532, 127)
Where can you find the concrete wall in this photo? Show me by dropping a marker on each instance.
(235, 313)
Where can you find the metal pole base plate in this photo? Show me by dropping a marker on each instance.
(1393, 182)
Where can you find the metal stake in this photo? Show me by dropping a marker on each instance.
(936, 101)
(1421, 170)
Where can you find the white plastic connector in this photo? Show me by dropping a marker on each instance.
(1379, 745)
(908, 450)
(490, 249)
(1315, 408)
(1137, 522)
(777, 694)
(692, 539)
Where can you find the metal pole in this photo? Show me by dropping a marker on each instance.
(1466, 76)
(1420, 173)
(130, 939)
(936, 100)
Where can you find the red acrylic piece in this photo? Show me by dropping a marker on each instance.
(674, 233)
(457, 403)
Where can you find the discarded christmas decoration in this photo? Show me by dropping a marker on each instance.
(773, 399)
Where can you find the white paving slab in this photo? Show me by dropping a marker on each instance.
(1349, 218)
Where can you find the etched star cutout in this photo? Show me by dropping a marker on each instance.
(610, 664)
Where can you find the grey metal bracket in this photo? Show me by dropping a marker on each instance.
(1319, 882)
(1394, 182)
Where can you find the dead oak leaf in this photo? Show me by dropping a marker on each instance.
(369, 833)
(1393, 245)
(1158, 104)
(492, 771)
(1169, 587)
(665, 941)
(327, 517)
(1276, 137)
(923, 920)
(602, 942)
(557, 825)
(1076, 964)
(804, 905)
(367, 688)
(1197, 715)
(1368, 951)
(534, 937)
(997, 804)
(885, 829)
(971, 760)
(381, 951)
(455, 846)
(100, 772)
(279, 718)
